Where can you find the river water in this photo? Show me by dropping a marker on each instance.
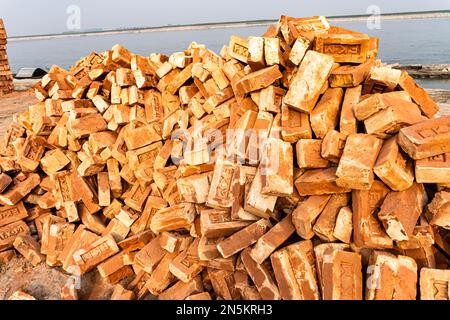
(409, 41)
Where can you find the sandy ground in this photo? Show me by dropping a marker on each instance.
(44, 282)
(13, 103)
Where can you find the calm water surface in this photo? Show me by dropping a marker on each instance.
(415, 41)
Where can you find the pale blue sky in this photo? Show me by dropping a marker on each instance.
(24, 17)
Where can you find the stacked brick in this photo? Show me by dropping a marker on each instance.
(6, 77)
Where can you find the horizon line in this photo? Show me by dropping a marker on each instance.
(223, 24)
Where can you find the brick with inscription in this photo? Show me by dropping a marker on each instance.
(9, 233)
(344, 48)
(219, 195)
(435, 169)
(381, 79)
(295, 271)
(10, 214)
(186, 265)
(342, 277)
(218, 223)
(292, 28)
(434, 284)
(391, 277)
(194, 188)
(295, 125)
(81, 237)
(276, 168)
(137, 196)
(223, 284)
(427, 138)
(31, 153)
(238, 48)
(89, 256)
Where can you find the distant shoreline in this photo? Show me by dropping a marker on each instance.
(228, 25)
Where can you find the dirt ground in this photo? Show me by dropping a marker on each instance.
(44, 282)
(13, 103)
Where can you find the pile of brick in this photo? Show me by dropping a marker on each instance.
(6, 76)
(291, 166)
